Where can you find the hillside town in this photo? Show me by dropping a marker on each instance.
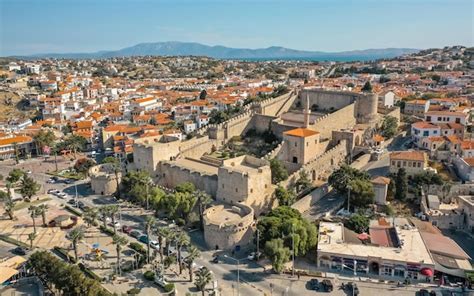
(186, 175)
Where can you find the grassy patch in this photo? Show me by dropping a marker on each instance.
(106, 230)
(25, 204)
(73, 211)
(443, 172)
(13, 241)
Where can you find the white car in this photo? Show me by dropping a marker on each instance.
(154, 245)
(61, 195)
(252, 256)
(53, 191)
(115, 225)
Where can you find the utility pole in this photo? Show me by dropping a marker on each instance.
(348, 198)
(258, 245)
(293, 249)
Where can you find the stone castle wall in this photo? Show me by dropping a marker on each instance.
(103, 179)
(172, 175)
(341, 119)
(275, 106)
(229, 234)
(321, 167)
(327, 99)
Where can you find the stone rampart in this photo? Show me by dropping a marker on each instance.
(341, 119)
(228, 226)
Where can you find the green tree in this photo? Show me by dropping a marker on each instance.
(31, 237)
(303, 181)
(203, 278)
(340, 178)
(389, 126)
(203, 94)
(135, 185)
(367, 87)
(279, 172)
(119, 242)
(202, 201)
(14, 176)
(150, 222)
(358, 223)
(33, 211)
(44, 138)
(401, 185)
(285, 197)
(43, 210)
(193, 254)
(185, 187)
(362, 193)
(179, 204)
(104, 212)
(90, 216)
(28, 187)
(75, 143)
(277, 253)
(161, 233)
(182, 239)
(76, 235)
(83, 165)
(113, 210)
(8, 202)
(169, 260)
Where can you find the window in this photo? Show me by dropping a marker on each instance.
(458, 120)
(386, 270)
(439, 118)
(428, 118)
(393, 162)
(236, 190)
(295, 159)
(409, 164)
(413, 275)
(435, 132)
(399, 272)
(222, 185)
(296, 144)
(426, 133)
(404, 163)
(251, 190)
(419, 164)
(307, 144)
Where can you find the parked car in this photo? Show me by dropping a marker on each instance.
(135, 233)
(353, 289)
(61, 195)
(253, 256)
(314, 284)
(69, 181)
(53, 191)
(327, 285)
(72, 201)
(423, 292)
(127, 229)
(143, 239)
(51, 181)
(19, 251)
(154, 244)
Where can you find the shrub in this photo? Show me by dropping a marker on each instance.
(134, 291)
(137, 247)
(106, 230)
(73, 211)
(64, 254)
(169, 287)
(180, 222)
(149, 275)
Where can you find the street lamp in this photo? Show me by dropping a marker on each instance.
(349, 188)
(238, 272)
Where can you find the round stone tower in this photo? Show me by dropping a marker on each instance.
(366, 107)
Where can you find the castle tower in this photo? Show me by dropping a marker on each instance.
(307, 112)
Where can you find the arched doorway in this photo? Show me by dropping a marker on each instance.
(374, 267)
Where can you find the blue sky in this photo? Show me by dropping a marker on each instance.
(43, 26)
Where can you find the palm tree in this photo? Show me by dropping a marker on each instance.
(169, 237)
(119, 242)
(104, 212)
(203, 278)
(203, 200)
(162, 233)
(31, 238)
(9, 204)
(42, 210)
(150, 222)
(182, 239)
(33, 210)
(90, 216)
(113, 210)
(76, 235)
(193, 254)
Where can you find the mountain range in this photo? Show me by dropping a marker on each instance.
(174, 48)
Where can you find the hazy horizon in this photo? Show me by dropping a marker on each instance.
(83, 26)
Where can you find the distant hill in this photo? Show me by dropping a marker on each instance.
(174, 48)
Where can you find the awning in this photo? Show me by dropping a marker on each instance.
(6, 273)
(426, 271)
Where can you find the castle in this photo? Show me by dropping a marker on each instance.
(318, 130)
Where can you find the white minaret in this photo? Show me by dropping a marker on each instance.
(307, 112)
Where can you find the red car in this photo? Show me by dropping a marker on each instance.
(126, 229)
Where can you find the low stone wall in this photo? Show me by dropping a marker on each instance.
(305, 203)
